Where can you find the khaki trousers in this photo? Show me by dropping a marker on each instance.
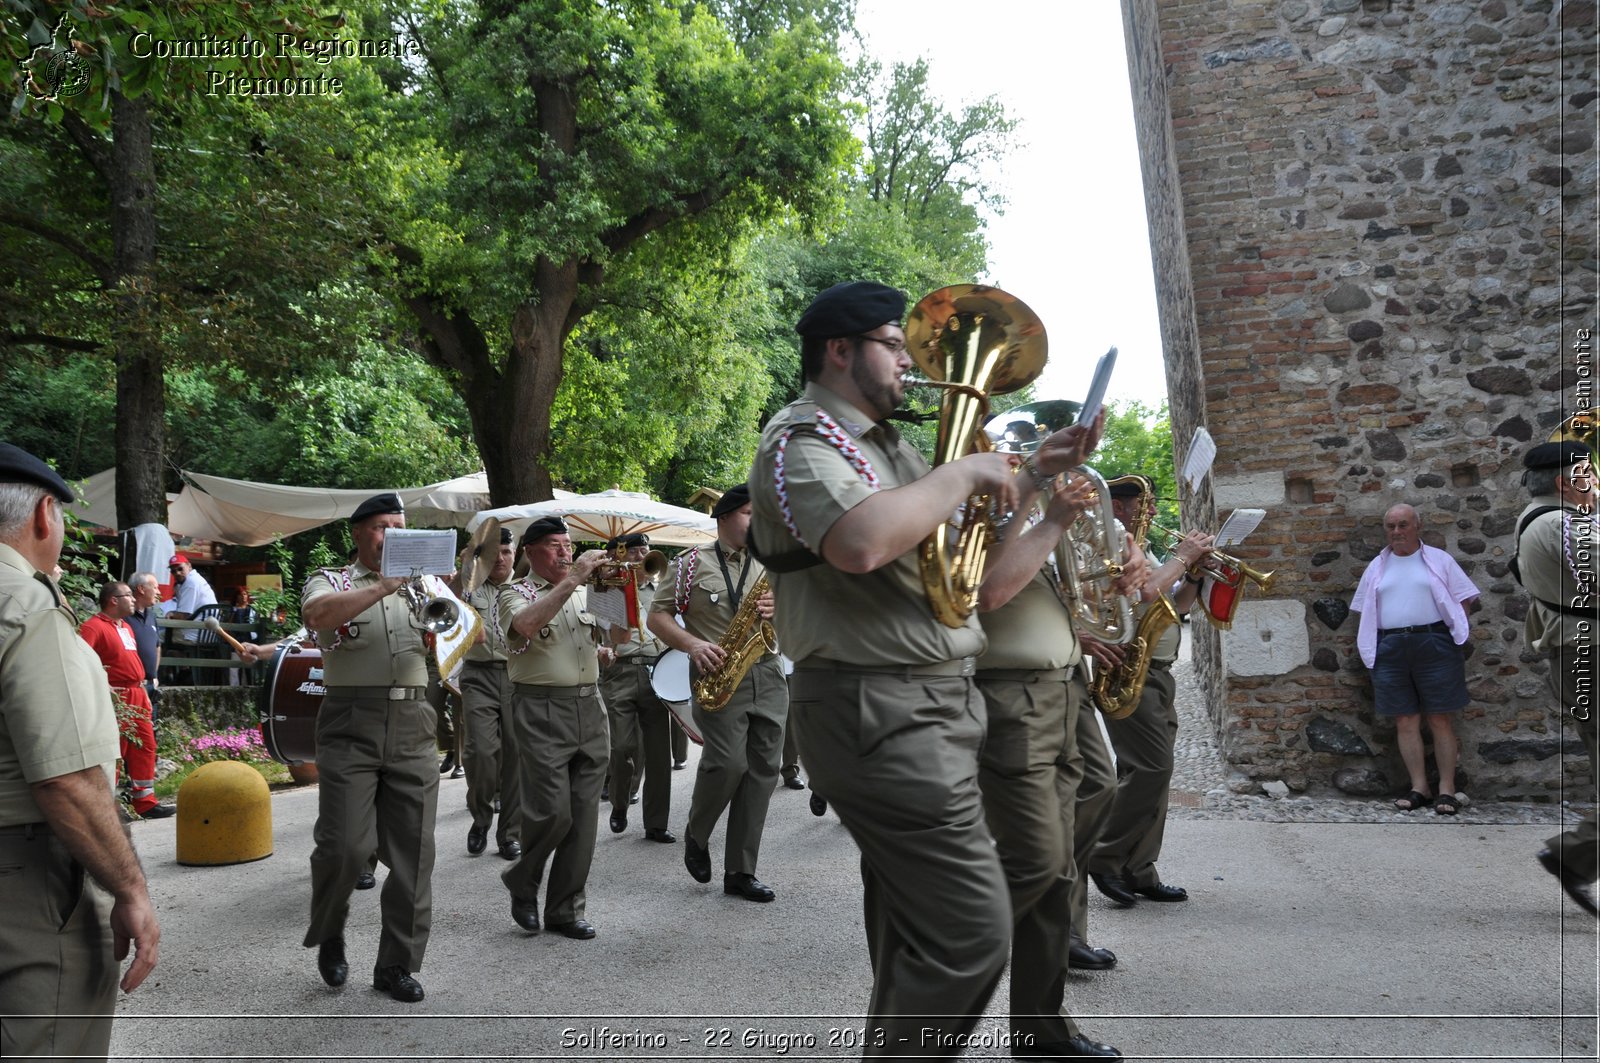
(1091, 781)
(739, 764)
(897, 758)
(561, 763)
(1572, 678)
(1022, 797)
(378, 789)
(640, 744)
(56, 958)
(1130, 845)
(490, 753)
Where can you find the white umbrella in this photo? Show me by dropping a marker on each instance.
(605, 515)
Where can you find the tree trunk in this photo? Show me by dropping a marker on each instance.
(141, 395)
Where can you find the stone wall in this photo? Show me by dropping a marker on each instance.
(1373, 224)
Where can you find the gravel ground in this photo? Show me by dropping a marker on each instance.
(1203, 786)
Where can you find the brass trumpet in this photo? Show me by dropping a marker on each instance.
(619, 572)
(1230, 572)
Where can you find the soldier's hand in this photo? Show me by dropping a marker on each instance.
(1106, 653)
(1193, 548)
(994, 474)
(707, 657)
(587, 562)
(390, 584)
(1070, 447)
(134, 922)
(1069, 500)
(766, 606)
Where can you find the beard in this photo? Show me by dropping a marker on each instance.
(885, 396)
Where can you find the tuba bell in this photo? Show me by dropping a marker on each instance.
(971, 341)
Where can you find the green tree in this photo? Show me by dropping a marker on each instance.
(546, 143)
(1138, 439)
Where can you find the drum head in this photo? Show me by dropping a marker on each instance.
(670, 677)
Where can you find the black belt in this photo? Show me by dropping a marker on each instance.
(554, 692)
(485, 664)
(1028, 675)
(1414, 629)
(639, 659)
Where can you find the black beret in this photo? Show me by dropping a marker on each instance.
(17, 466)
(1126, 489)
(505, 536)
(733, 498)
(542, 527)
(388, 502)
(627, 542)
(1556, 455)
(851, 308)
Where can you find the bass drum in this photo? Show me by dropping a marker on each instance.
(290, 699)
(670, 680)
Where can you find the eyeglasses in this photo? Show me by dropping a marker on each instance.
(891, 344)
(124, 594)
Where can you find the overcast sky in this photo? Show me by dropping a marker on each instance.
(1072, 243)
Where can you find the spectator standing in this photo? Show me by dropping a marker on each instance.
(147, 633)
(1413, 600)
(113, 641)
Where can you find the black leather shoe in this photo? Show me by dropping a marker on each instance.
(510, 850)
(1081, 957)
(330, 962)
(477, 839)
(1576, 888)
(398, 983)
(619, 819)
(819, 804)
(366, 880)
(1072, 1048)
(677, 765)
(697, 858)
(1115, 888)
(526, 914)
(633, 798)
(1162, 892)
(446, 765)
(605, 792)
(578, 929)
(159, 812)
(740, 884)
(793, 782)
(660, 834)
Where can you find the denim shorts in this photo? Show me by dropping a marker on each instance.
(1419, 671)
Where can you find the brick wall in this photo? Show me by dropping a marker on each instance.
(1373, 223)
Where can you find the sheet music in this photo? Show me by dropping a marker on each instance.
(1238, 526)
(1202, 452)
(609, 606)
(414, 551)
(1097, 387)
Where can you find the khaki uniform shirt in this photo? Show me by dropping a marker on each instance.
(1032, 631)
(648, 646)
(486, 600)
(379, 647)
(710, 609)
(56, 714)
(1553, 572)
(876, 619)
(562, 654)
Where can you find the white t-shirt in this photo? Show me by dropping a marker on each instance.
(1405, 593)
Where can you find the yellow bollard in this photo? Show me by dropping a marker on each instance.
(224, 815)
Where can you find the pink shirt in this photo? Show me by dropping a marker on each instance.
(1450, 587)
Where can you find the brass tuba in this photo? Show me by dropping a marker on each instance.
(971, 341)
(1089, 558)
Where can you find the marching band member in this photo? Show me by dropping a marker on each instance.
(379, 781)
(560, 726)
(640, 744)
(490, 752)
(1028, 677)
(885, 709)
(744, 740)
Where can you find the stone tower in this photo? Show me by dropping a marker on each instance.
(1373, 226)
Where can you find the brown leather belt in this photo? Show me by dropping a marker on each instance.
(385, 693)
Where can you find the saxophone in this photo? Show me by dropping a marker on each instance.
(1116, 691)
(747, 639)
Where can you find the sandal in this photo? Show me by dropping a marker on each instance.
(1448, 804)
(1412, 801)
